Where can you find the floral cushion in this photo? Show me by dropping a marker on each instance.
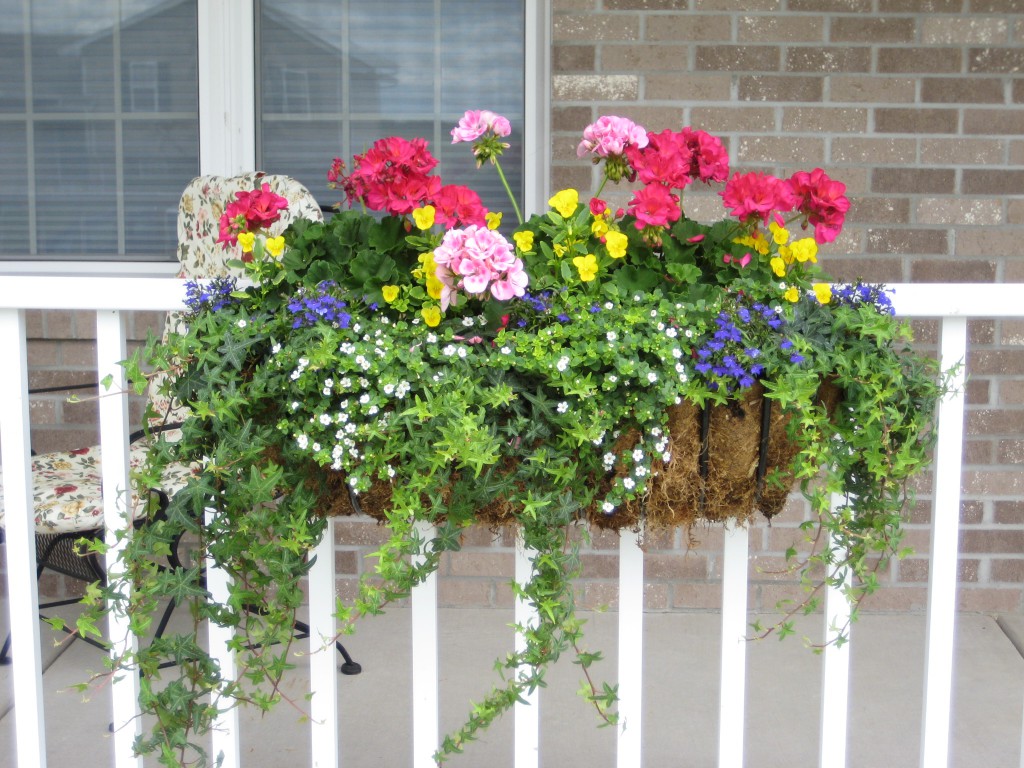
(68, 488)
(68, 495)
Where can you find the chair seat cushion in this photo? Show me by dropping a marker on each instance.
(68, 488)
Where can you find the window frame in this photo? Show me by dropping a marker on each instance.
(228, 122)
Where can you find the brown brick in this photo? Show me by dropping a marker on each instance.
(595, 27)
(831, 6)
(994, 121)
(915, 569)
(996, 362)
(1015, 215)
(688, 87)
(570, 119)
(962, 90)
(572, 58)
(688, 565)
(993, 540)
(920, 6)
(641, 5)
(722, 119)
(959, 210)
(963, 151)
(1008, 512)
(1011, 452)
(781, 149)
(978, 600)
(1007, 570)
(738, 58)
(1012, 332)
(872, 150)
(874, 30)
(578, 177)
(1005, 61)
(959, 271)
(1018, 91)
(780, 88)
(464, 593)
(920, 180)
(908, 241)
(730, 5)
(824, 119)
(992, 182)
(359, 533)
(828, 59)
(857, 267)
(919, 59)
(974, 30)
(917, 120)
(595, 87)
(689, 27)
(876, 90)
(697, 596)
(1016, 152)
(989, 241)
(643, 58)
(979, 392)
(977, 452)
(996, 6)
(652, 117)
(481, 563)
(42, 411)
(44, 353)
(782, 28)
(879, 210)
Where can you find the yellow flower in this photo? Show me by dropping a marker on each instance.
(779, 234)
(424, 217)
(493, 219)
(778, 266)
(786, 253)
(599, 227)
(275, 246)
(434, 286)
(791, 294)
(431, 315)
(824, 292)
(616, 243)
(390, 293)
(246, 240)
(805, 250)
(565, 202)
(524, 240)
(587, 265)
(761, 245)
(559, 249)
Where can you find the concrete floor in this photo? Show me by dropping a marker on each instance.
(680, 697)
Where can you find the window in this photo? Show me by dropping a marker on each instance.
(371, 69)
(99, 127)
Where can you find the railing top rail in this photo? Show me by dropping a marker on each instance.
(163, 293)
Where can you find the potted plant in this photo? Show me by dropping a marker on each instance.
(410, 360)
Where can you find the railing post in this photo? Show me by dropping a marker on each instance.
(225, 729)
(22, 592)
(732, 690)
(942, 570)
(526, 715)
(118, 513)
(425, 717)
(631, 649)
(323, 672)
(835, 677)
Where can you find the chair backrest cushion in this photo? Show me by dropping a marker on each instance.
(201, 256)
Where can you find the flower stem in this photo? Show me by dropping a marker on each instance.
(508, 190)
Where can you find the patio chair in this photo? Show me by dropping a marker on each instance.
(68, 484)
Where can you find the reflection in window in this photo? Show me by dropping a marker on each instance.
(96, 147)
(372, 69)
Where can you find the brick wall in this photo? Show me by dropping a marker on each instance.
(918, 105)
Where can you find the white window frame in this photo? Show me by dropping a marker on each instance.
(227, 117)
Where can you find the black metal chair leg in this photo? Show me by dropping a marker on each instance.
(350, 667)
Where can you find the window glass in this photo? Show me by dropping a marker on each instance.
(99, 126)
(336, 76)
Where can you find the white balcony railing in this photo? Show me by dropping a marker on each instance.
(111, 297)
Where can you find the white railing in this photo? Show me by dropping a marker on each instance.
(111, 297)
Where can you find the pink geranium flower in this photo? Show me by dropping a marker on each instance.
(477, 122)
(610, 135)
(665, 160)
(822, 201)
(757, 195)
(709, 160)
(392, 176)
(654, 206)
(476, 259)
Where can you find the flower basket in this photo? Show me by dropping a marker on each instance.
(428, 362)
